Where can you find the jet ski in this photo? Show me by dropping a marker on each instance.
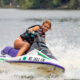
(38, 56)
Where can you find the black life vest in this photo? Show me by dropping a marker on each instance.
(30, 38)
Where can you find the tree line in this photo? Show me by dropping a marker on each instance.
(41, 4)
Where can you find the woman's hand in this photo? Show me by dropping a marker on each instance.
(30, 30)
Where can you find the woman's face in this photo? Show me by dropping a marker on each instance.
(45, 27)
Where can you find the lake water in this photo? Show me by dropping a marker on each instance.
(63, 40)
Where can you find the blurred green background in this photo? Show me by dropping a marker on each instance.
(40, 4)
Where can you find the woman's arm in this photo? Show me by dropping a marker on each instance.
(36, 28)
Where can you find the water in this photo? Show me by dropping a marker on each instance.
(63, 40)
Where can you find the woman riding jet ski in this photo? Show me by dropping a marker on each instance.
(34, 35)
(24, 42)
(30, 47)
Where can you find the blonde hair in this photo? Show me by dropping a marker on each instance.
(48, 22)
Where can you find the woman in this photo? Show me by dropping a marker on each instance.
(24, 42)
